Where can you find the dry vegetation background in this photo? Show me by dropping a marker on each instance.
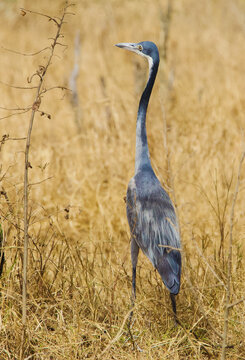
(79, 260)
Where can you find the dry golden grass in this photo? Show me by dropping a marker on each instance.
(79, 264)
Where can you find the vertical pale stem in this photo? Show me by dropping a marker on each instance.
(229, 270)
(26, 221)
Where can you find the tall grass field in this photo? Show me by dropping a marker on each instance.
(81, 158)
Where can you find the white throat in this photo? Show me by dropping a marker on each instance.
(150, 61)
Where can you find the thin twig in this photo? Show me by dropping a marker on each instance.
(24, 54)
(41, 181)
(236, 303)
(17, 113)
(19, 87)
(53, 88)
(15, 109)
(51, 18)
(23, 138)
(170, 247)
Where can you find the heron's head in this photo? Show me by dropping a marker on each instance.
(145, 48)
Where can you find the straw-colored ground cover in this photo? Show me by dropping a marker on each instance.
(79, 260)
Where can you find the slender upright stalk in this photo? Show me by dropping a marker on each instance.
(229, 270)
(26, 222)
(41, 74)
(166, 20)
(73, 82)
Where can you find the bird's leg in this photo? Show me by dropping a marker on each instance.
(134, 259)
(133, 295)
(173, 302)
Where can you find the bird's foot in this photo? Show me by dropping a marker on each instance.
(134, 343)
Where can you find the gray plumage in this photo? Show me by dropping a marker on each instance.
(153, 226)
(150, 212)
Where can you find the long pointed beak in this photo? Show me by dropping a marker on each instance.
(127, 46)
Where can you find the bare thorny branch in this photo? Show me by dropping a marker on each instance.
(41, 73)
(19, 111)
(42, 69)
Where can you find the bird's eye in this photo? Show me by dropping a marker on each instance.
(140, 47)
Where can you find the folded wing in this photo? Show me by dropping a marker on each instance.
(153, 224)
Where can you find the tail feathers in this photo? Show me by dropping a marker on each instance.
(169, 267)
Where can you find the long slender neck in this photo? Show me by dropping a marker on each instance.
(142, 157)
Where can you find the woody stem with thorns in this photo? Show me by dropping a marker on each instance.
(41, 73)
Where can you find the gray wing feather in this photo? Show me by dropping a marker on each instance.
(153, 225)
